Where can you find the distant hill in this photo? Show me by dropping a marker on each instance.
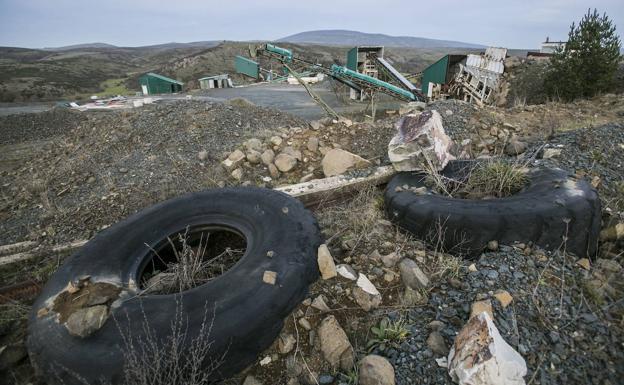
(80, 46)
(353, 38)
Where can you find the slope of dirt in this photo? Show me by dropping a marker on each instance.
(115, 163)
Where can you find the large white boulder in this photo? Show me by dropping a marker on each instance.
(480, 356)
(421, 143)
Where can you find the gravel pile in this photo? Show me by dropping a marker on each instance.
(116, 163)
(563, 335)
(456, 116)
(595, 151)
(24, 127)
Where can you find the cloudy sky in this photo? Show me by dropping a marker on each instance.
(509, 23)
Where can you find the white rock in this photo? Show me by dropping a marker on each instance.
(276, 140)
(346, 271)
(233, 160)
(265, 361)
(319, 304)
(480, 356)
(337, 161)
(420, 137)
(365, 284)
(551, 153)
(326, 264)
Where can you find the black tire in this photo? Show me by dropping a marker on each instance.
(536, 214)
(248, 313)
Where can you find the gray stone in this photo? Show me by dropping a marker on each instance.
(203, 155)
(251, 380)
(286, 343)
(86, 321)
(253, 144)
(411, 274)
(436, 343)
(366, 300)
(313, 143)
(391, 259)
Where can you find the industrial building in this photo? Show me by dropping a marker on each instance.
(549, 46)
(217, 81)
(440, 72)
(152, 83)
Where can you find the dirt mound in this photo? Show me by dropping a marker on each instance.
(113, 164)
(24, 127)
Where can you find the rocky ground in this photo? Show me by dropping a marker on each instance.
(563, 314)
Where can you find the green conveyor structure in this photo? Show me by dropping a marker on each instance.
(346, 76)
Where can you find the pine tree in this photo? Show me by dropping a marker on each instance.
(588, 63)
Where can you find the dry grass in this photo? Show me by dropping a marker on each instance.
(495, 179)
(174, 359)
(355, 218)
(193, 266)
(485, 179)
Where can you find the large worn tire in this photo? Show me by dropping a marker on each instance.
(248, 313)
(536, 214)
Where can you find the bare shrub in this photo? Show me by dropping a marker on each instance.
(192, 265)
(173, 359)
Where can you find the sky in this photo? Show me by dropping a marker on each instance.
(507, 23)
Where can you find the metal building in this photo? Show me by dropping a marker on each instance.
(152, 83)
(217, 81)
(440, 72)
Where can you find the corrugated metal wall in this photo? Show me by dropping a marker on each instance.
(158, 86)
(435, 73)
(352, 59)
(246, 67)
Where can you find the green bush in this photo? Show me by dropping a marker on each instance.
(588, 63)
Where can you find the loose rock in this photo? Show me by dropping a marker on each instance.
(375, 370)
(326, 263)
(335, 345)
(337, 161)
(411, 274)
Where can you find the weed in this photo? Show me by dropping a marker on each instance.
(497, 179)
(388, 333)
(350, 378)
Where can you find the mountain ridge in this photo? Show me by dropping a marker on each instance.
(341, 37)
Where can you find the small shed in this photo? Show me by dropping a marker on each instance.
(152, 83)
(217, 81)
(440, 72)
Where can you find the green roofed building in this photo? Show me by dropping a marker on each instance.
(152, 83)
